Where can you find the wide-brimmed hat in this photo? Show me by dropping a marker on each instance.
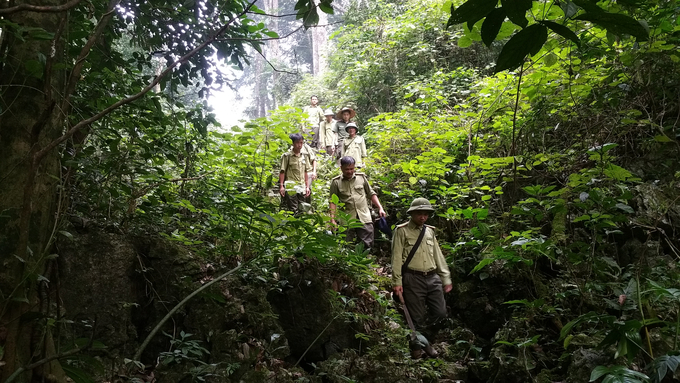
(420, 204)
(328, 112)
(352, 113)
(351, 125)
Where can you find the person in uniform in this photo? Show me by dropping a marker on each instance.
(344, 116)
(293, 176)
(354, 191)
(315, 116)
(328, 133)
(426, 277)
(311, 155)
(354, 145)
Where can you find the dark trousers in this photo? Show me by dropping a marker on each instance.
(423, 294)
(293, 203)
(362, 234)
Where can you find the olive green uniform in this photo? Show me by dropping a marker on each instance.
(356, 194)
(315, 114)
(425, 275)
(342, 136)
(355, 148)
(328, 134)
(294, 166)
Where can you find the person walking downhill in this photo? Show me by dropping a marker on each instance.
(354, 191)
(344, 117)
(421, 276)
(294, 168)
(314, 118)
(355, 145)
(328, 133)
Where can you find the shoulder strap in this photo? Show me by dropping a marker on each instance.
(414, 249)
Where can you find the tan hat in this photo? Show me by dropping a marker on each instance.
(352, 113)
(328, 112)
(420, 204)
(351, 125)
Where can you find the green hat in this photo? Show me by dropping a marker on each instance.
(421, 204)
(351, 125)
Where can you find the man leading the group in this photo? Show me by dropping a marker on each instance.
(354, 191)
(424, 277)
(314, 117)
(294, 168)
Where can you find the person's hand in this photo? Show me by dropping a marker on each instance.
(334, 225)
(312, 175)
(399, 290)
(382, 212)
(308, 191)
(448, 288)
(282, 191)
(329, 149)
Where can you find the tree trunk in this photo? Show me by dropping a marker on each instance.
(29, 120)
(320, 44)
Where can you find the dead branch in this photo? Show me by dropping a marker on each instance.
(39, 8)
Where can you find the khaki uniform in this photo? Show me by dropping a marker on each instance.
(355, 148)
(328, 134)
(356, 194)
(342, 135)
(428, 272)
(315, 117)
(294, 167)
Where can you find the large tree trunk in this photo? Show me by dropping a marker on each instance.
(29, 119)
(320, 44)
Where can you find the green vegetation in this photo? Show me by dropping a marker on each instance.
(546, 134)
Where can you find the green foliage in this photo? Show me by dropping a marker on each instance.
(617, 374)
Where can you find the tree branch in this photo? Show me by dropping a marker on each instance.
(160, 324)
(43, 152)
(39, 8)
(51, 358)
(84, 52)
(270, 15)
(274, 68)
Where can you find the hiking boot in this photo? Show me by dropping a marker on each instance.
(417, 354)
(430, 351)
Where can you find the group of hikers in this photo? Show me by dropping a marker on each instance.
(420, 274)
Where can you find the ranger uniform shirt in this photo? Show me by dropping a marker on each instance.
(315, 115)
(295, 166)
(309, 152)
(355, 194)
(342, 133)
(355, 148)
(328, 133)
(428, 257)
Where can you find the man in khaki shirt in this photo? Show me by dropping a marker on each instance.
(293, 176)
(314, 117)
(354, 191)
(422, 279)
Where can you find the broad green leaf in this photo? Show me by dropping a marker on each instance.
(662, 138)
(550, 59)
(471, 12)
(527, 41)
(562, 31)
(516, 11)
(588, 6)
(492, 25)
(326, 8)
(617, 24)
